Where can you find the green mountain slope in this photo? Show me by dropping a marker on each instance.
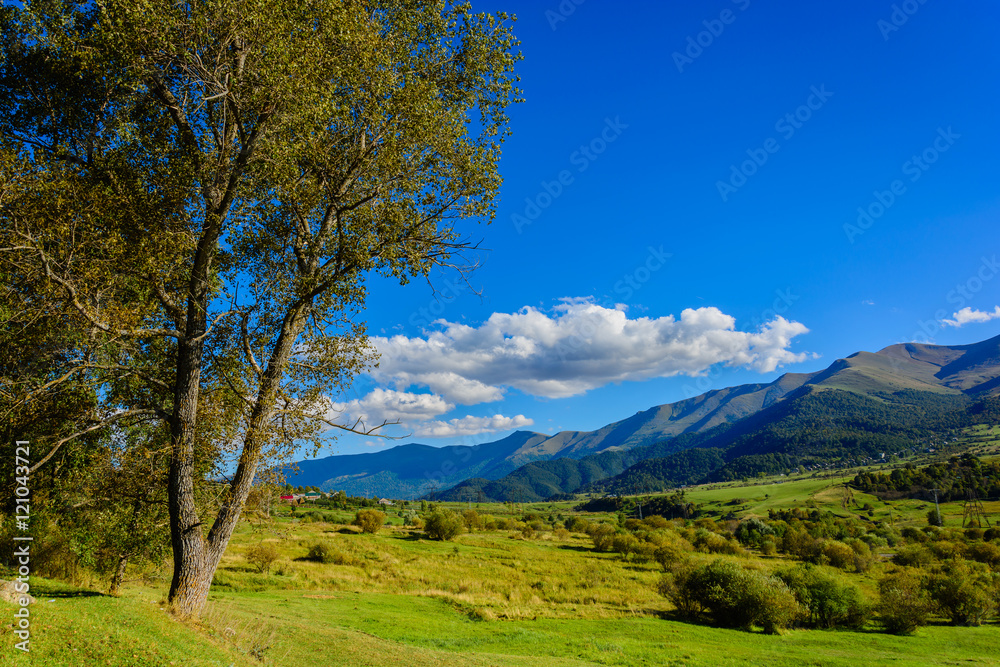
(939, 372)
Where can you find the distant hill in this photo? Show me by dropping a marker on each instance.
(775, 420)
(856, 409)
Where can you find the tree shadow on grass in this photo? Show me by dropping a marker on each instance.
(42, 592)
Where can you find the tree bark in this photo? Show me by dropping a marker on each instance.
(196, 558)
(119, 576)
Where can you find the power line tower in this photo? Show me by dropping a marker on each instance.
(973, 511)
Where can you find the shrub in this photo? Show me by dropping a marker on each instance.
(829, 603)
(913, 555)
(262, 556)
(656, 522)
(740, 598)
(735, 596)
(470, 518)
(682, 588)
(962, 592)
(370, 521)
(838, 554)
(903, 605)
(671, 552)
(624, 544)
(561, 534)
(443, 525)
(320, 552)
(753, 531)
(602, 534)
(643, 552)
(934, 518)
(575, 524)
(985, 552)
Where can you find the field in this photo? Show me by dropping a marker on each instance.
(489, 597)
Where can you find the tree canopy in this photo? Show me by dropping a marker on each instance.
(195, 192)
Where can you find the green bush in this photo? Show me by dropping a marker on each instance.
(370, 521)
(602, 535)
(656, 522)
(752, 532)
(903, 604)
(682, 588)
(320, 552)
(470, 518)
(443, 525)
(737, 597)
(913, 555)
(962, 591)
(624, 544)
(985, 552)
(829, 603)
(262, 556)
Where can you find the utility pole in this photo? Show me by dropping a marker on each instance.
(937, 508)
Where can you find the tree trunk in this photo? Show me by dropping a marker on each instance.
(195, 558)
(188, 588)
(119, 576)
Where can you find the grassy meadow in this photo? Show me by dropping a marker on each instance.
(487, 597)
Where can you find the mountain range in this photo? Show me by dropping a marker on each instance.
(858, 404)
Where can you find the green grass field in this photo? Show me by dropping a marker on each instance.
(486, 598)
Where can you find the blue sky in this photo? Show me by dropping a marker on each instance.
(713, 158)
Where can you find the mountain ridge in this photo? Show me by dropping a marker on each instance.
(413, 470)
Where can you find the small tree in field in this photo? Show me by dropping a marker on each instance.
(262, 556)
(903, 604)
(370, 521)
(443, 525)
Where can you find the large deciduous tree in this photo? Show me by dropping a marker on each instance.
(200, 188)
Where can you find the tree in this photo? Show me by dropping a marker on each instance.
(204, 187)
(443, 525)
(370, 521)
(903, 604)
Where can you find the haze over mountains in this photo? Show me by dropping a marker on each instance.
(896, 387)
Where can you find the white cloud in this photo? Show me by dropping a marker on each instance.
(414, 413)
(581, 346)
(389, 405)
(967, 315)
(470, 426)
(868, 302)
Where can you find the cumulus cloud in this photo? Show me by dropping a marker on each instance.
(967, 316)
(470, 426)
(578, 347)
(389, 405)
(416, 412)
